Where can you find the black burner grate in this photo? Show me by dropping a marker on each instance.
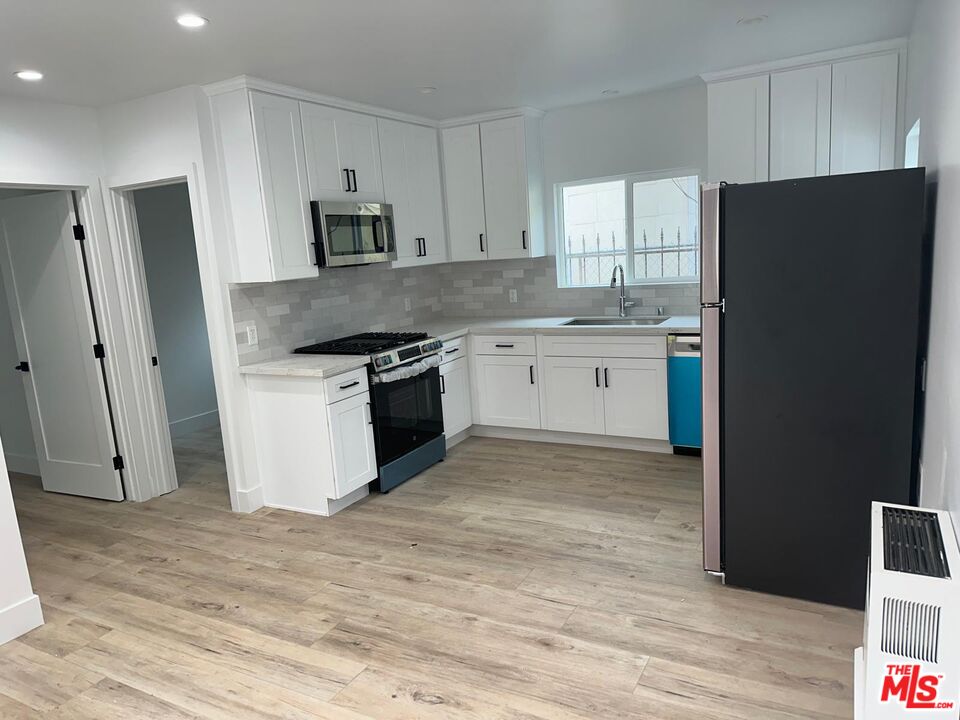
(912, 543)
(362, 343)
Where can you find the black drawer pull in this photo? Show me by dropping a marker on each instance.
(452, 350)
(350, 385)
(504, 345)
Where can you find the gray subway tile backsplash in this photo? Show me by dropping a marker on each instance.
(348, 300)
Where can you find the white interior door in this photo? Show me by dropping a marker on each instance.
(51, 314)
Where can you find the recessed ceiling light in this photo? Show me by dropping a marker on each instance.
(29, 75)
(751, 20)
(610, 92)
(189, 20)
(427, 90)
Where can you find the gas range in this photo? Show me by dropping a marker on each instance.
(386, 350)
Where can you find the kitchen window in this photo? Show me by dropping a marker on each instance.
(649, 223)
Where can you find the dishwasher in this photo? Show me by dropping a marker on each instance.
(683, 393)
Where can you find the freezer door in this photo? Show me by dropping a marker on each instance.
(710, 319)
(710, 244)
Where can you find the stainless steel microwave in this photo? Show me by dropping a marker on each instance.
(352, 233)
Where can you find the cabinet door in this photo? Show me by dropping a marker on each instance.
(572, 394)
(800, 123)
(360, 152)
(455, 396)
(635, 398)
(738, 129)
(398, 189)
(463, 179)
(326, 161)
(283, 184)
(505, 187)
(351, 436)
(423, 161)
(507, 393)
(864, 114)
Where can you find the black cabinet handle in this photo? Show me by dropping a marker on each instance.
(353, 174)
(606, 378)
(452, 350)
(523, 235)
(424, 241)
(443, 386)
(419, 248)
(22, 367)
(481, 242)
(505, 345)
(346, 171)
(370, 410)
(596, 372)
(531, 374)
(350, 385)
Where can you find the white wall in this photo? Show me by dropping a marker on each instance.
(659, 130)
(933, 95)
(19, 607)
(176, 304)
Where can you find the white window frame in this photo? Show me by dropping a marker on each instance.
(629, 279)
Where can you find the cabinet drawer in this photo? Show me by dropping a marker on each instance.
(506, 345)
(611, 346)
(453, 349)
(348, 384)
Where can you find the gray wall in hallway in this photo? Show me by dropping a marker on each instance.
(355, 299)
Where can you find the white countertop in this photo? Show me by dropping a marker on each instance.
(322, 366)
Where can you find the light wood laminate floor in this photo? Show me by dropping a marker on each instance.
(515, 581)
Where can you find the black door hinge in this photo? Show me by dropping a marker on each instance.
(78, 233)
(118, 462)
(98, 351)
(154, 360)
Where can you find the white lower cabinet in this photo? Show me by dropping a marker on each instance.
(635, 398)
(455, 396)
(624, 397)
(507, 393)
(572, 396)
(351, 438)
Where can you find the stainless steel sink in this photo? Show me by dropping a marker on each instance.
(600, 321)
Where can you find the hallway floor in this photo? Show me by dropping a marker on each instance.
(514, 580)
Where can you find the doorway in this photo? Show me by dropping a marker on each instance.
(177, 335)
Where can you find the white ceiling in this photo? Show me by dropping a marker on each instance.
(480, 54)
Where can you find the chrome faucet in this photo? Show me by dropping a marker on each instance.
(624, 303)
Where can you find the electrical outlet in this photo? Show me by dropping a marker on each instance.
(252, 337)
(407, 305)
(513, 295)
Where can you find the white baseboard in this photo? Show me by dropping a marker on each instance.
(194, 423)
(457, 438)
(20, 618)
(249, 501)
(331, 506)
(26, 464)
(551, 436)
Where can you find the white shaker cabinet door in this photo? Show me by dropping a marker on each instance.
(572, 394)
(800, 123)
(463, 179)
(864, 114)
(635, 398)
(738, 130)
(351, 437)
(507, 393)
(455, 396)
(505, 188)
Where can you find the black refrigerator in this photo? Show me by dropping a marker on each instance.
(814, 314)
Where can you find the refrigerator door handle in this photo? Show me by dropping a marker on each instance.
(710, 364)
(710, 244)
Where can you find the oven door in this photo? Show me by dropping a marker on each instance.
(353, 233)
(407, 414)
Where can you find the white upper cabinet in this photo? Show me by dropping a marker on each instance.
(463, 177)
(411, 183)
(260, 151)
(800, 123)
(864, 114)
(494, 182)
(342, 154)
(738, 130)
